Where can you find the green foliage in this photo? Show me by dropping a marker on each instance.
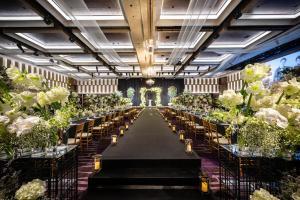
(9, 182)
(41, 136)
(130, 93)
(7, 141)
(262, 135)
(172, 91)
(290, 186)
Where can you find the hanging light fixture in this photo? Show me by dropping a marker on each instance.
(150, 82)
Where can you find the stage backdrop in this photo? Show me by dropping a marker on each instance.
(138, 83)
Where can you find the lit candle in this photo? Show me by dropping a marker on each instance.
(204, 184)
(121, 131)
(114, 139)
(181, 136)
(166, 119)
(188, 145)
(170, 124)
(204, 187)
(126, 125)
(189, 148)
(174, 128)
(97, 162)
(131, 121)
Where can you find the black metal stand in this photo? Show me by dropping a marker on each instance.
(240, 174)
(59, 171)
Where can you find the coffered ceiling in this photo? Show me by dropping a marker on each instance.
(143, 34)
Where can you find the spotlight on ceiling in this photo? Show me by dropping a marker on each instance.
(150, 82)
(20, 47)
(48, 20)
(72, 38)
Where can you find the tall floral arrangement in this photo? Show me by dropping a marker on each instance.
(191, 101)
(270, 116)
(130, 92)
(27, 108)
(172, 92)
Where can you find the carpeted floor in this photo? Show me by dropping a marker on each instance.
(208, 159)
(148, 138)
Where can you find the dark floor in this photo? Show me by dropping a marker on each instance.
(148, 138)
(143, 194)
(209, 162)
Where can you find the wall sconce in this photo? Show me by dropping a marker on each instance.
(188, 145)
(181, 135)
(122, 130)
(97, 162)
(114, 139)
(204, 184)
(174, 128)
(126, 125)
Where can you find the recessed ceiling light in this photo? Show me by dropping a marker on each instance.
(239, 44)
(85, 17)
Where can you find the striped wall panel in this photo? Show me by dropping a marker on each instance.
(97, 86)
(201, 85)
(235, 81)
(52, 78)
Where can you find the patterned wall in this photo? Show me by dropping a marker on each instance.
(97, 86)
(52, 78)
(201, 85)
(234, 81)
(211, 85)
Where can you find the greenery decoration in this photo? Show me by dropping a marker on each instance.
(130, 92)
(156, 90)
(172, 92)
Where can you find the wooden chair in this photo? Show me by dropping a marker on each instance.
(214, 136)
(75, 140)
(197, 129)
(87, 137)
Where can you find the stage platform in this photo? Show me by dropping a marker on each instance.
(148, 154)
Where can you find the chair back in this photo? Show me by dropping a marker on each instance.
(91, 125)
(79, 131)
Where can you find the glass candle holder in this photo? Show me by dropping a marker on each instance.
(122, 130)
(114, 139)
(204, 184)
(188, 145)
(126, 125)
(97, 162)
(174, 128)
(181, 135)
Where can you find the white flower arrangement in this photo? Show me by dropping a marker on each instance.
(262, 194)
(256, 88)
(22, 126)
(291, 87)
(272, 117)
(230, 99)
(4, 119)
(58, 94)
(31, 190)
(255, 72)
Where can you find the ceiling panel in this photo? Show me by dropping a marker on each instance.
(171, 7)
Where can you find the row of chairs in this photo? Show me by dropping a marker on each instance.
(108, 124)
(197, 128)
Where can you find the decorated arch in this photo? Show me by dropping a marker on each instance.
(156, 90)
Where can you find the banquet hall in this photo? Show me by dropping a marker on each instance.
(150, 99)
